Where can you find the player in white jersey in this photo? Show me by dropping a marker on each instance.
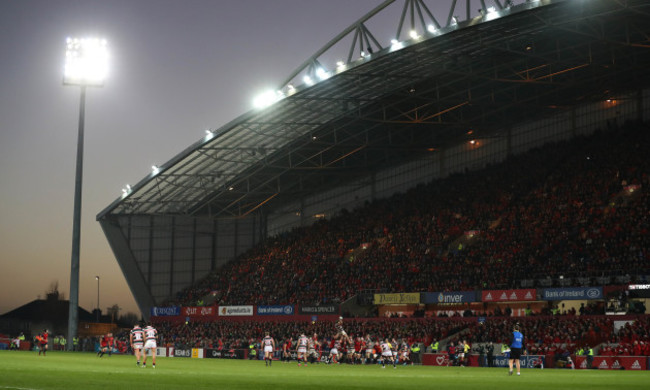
(370, 350)
(301, 349)
(311, 348)
(386, 353)
(137, 342)
(150, 335)
(269, 346)
(340, 332)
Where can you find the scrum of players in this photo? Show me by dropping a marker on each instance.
(344, 348)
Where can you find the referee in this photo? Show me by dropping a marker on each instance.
(516, 345)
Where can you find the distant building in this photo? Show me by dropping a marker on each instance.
(50, 313)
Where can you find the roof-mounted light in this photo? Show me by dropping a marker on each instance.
(322, 74)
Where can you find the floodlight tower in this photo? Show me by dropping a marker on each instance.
(86, 65)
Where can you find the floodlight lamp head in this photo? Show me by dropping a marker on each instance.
(86, 62)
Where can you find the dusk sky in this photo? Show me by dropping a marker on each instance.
(177, 68)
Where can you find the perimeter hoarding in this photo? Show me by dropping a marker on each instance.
(286, 310)
(571, 293)
(638, 363)
(165, 311)
(229, 311)
(397, 299)
(528, 294)
(449, 297)
(442, 359)
(324, 309)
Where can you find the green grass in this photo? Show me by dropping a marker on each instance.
(65, 370)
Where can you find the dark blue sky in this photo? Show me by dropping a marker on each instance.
(177, 68)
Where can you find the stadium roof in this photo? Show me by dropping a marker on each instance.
(444, 85)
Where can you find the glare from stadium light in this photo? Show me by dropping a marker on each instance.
(454, 20)
(395, 44)
(126, 191)
(155, 170)
(340, 64)
(267, 98)
(432, 29)
(308, 80)
(491, 14)
(291, 89)
(414, 34)
(363, 54)
(322, 74)
(86, 62)
(209, 134)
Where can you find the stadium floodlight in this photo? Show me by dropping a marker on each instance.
(308, 80)
(395, 44)
(432, 29)
(414, 34)
(86, 65)
(155, 170)
(86, 62)
(98, 309)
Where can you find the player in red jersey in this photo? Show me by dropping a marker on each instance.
(286, 350)
(269, 346)
(103, 345)
(136, 339)
(110, 343)
(335, 351)
(42, 342)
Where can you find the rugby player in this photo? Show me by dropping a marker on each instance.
(150, 335)
(301, 349)
(386, 353)
(269, 346)
(136, 339)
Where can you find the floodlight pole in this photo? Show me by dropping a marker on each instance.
(98, 310)
(73, 312)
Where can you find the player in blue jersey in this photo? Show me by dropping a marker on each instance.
(516, 346)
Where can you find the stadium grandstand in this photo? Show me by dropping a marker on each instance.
(499, 146)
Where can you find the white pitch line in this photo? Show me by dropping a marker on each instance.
(16, 388)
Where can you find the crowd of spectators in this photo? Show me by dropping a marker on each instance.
(577, 208)
(631, 339)
(545, 335)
